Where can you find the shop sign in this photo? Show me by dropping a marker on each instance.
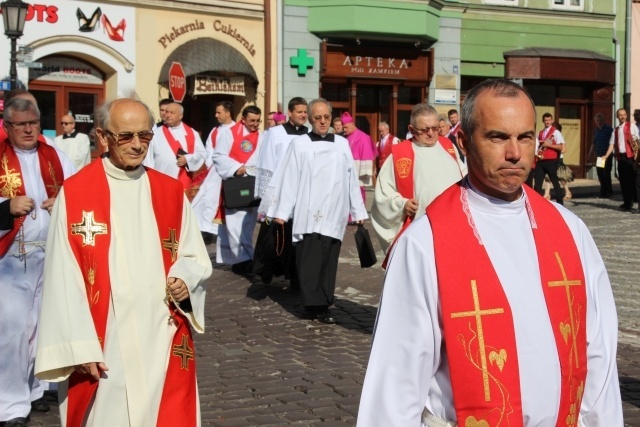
(66, 70)
(208, 85)
(349, 61)
(446, 96)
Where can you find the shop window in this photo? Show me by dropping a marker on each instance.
(402, 126)
(409, 95)
(571, 92)
(568, 4)
(542, 94)
(334, 92)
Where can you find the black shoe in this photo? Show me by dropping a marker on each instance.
(326, 317)
(207, 237)
(40, 405)
(625, 207)
(244, 267)
(266, 278)
(16, 422)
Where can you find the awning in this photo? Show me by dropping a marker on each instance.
(207, 55)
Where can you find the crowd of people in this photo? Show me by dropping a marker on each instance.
(116, 333)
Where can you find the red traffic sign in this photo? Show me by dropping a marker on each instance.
(177, 82)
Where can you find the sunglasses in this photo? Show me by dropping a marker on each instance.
(126, 137)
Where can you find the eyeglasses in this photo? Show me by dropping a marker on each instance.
(126, 137)
(22, 125)
(433, 129)
(66, 123)
(318, 118)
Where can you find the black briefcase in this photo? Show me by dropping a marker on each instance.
(366, 253)
(238, 192)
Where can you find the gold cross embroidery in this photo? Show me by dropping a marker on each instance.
(478, 313)
(10, 182)
(55, 185)
(171, 244)
(184, 352)
(566, 284)
(88, 229)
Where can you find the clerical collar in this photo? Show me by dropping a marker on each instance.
(121, 174)
(485, 203)
(179, 125)
(294, 130)
(71, 135)
(328, 137)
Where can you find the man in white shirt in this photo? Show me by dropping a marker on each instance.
(625, 146)
(550, 148)
(497, 308)
(74, 144)
(176, 149)
(317, 186)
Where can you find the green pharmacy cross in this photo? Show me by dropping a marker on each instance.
(302, 61)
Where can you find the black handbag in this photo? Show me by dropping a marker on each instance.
(238, 192)
(366, 253)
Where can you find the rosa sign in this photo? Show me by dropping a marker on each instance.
(177, 82)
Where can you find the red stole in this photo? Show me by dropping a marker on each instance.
(454, 130)
(89, 224)
(243, 146)
(447, 144)
(548, 153)
(627, 141)
(385, 150)
(12, 181)
(200, 175)
(183, 176)
(477, 319)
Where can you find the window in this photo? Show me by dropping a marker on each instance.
(503, 2)
(568, 4)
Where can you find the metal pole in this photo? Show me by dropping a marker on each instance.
(13, 71)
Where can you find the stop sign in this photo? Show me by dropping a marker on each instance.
(177, 82)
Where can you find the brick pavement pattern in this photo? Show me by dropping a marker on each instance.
(260, 363)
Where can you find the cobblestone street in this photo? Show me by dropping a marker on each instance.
(260, 363)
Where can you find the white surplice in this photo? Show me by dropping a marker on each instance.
(275, 145)
(207, 201)
(318, 187)
(138, 337)
(434, 170)
(77, 148)
(235, 236)
(408, 368)
(21, 292)
(162, 158)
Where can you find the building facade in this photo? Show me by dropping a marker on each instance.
(76, 54)
(567, 53)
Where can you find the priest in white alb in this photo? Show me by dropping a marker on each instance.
(177, 149)
(317, 186)
(415, 173)
(31, 173)
(274, 256)
(124, 285)
(206, 203)
(235, 156)
(497, 309)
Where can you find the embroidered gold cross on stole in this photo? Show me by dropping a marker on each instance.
(571, 327)
(55, 186)
(10, 181)
(88, 229)
(478, 313)
(171, 244)
(184, 352)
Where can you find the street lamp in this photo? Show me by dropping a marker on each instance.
(14, 13)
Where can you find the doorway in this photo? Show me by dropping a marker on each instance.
(55, 101)
(572, 115)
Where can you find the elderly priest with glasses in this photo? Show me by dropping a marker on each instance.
(31, 173)
(124, 286)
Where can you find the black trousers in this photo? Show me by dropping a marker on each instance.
(604, 176)
(274, 254)
(317, 262)
(627, 178)
(549, 167)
